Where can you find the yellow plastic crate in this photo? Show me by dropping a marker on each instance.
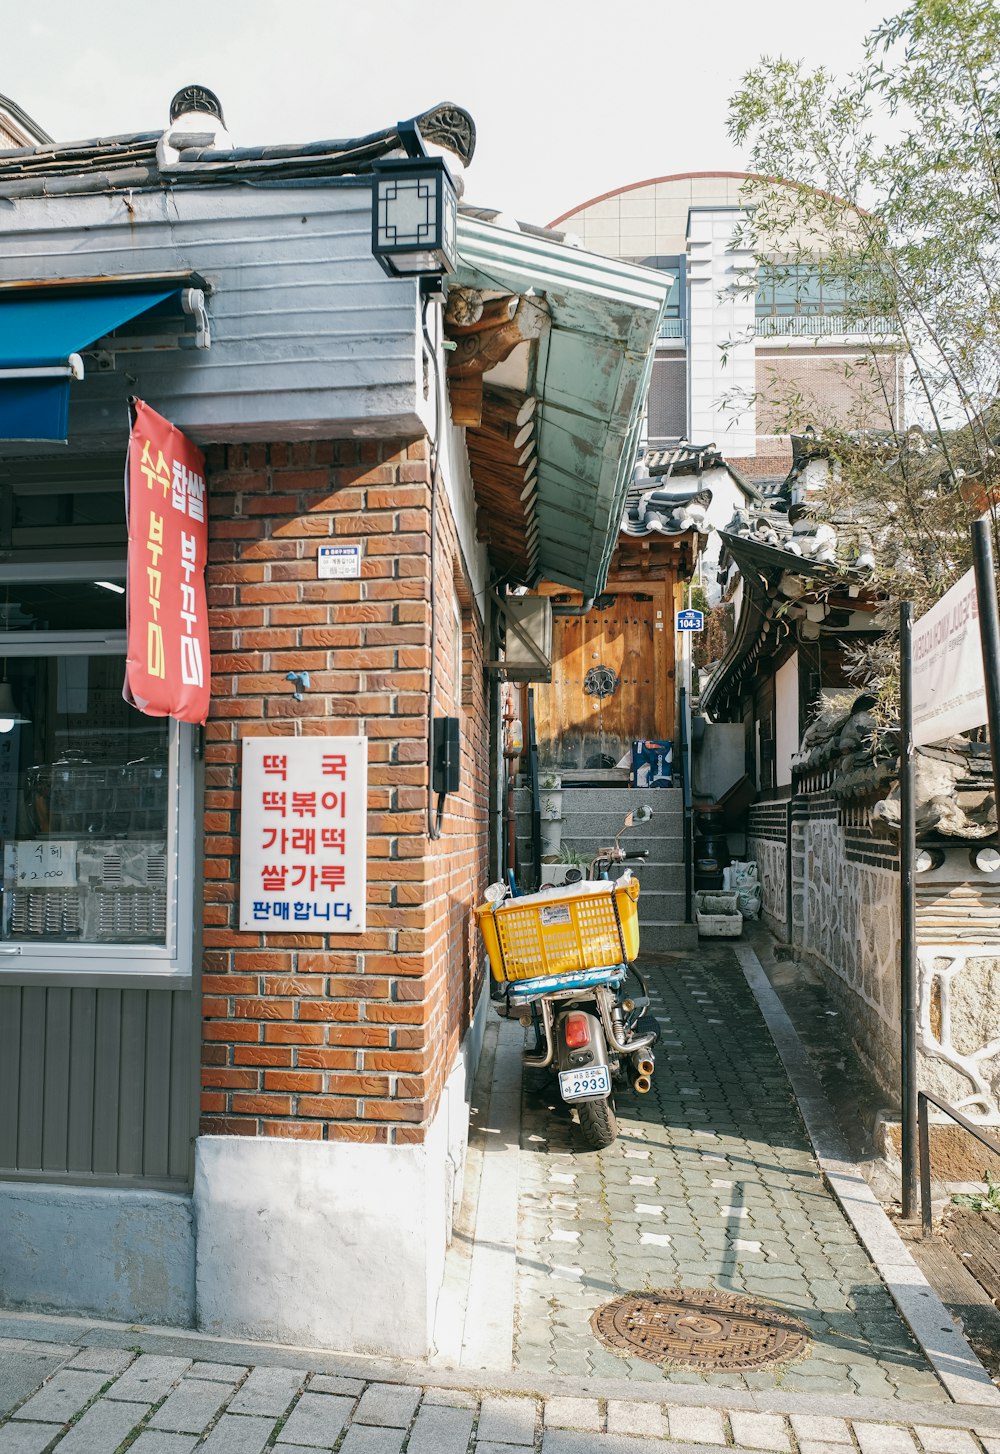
(559, 933)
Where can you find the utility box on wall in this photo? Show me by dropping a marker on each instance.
(528, 649)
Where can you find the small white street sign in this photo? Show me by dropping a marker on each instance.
(690, 620)
(338, 562)
(303, 843)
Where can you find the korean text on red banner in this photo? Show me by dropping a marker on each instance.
(167, 671)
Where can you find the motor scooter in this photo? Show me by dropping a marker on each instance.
(561, 959)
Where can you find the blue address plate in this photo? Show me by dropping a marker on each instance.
(580, 1085)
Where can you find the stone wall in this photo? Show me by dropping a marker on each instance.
(846, 919)
(767, 836)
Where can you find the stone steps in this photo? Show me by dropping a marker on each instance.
(609, 800)
(591, 817)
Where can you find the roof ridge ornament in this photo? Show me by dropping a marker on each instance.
(449, 126)
(198, 99)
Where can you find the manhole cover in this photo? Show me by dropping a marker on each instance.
(699, 1329)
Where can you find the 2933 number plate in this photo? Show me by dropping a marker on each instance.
(578, 1085)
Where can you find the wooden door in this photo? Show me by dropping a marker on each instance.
(611, 681)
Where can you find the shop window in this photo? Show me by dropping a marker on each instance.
(96, 799)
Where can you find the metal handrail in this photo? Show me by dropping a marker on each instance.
(687, 817)
(923, 1142)
(816, 325)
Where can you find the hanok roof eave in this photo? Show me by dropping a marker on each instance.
(591, 385)
(761, 567)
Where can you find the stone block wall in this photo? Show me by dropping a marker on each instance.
(846, 919)
(767, 837)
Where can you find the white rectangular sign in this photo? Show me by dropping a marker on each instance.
(303, 835)
(338, 562)
(949, 693)
(46, 863)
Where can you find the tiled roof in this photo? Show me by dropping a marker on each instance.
(137, 160)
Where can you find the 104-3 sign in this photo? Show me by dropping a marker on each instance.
(690, 620)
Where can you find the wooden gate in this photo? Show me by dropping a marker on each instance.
(612, 680)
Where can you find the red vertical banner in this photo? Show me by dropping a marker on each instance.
(167, 669)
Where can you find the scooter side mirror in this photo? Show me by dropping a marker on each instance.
(642, 814)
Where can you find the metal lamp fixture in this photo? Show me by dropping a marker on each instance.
(414, 217)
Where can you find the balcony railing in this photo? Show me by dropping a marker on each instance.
(672, 328)
(822, 325)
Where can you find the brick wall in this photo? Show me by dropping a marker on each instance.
(837, 387)
(768, 820)
(341, 1037)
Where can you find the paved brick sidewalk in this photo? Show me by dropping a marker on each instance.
(711, 1184)
(104, 1400)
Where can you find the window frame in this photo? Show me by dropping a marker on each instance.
(113, 963)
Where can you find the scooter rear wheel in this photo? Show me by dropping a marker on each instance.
(598, 1123)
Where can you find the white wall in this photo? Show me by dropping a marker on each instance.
(328, 1243)
(727, 498)
(721, 334)
(786, 720)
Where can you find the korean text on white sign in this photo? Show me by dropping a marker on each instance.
(303, 843)
(949, 692)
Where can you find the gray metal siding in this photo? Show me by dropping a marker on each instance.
(96, 1084)
(308, 334)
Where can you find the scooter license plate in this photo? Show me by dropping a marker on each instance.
(579, 1085)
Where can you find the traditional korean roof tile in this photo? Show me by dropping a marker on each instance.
(138, 159)
(671, 490)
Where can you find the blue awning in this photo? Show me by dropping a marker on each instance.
(41, 336)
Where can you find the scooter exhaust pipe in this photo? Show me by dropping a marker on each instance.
(644, 1065)
(641, 1084)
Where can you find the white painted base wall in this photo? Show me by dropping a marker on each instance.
(328, 1243)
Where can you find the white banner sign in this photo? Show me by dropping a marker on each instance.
(949, 693)
(303, 836)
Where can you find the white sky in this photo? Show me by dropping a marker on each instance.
(571, 98)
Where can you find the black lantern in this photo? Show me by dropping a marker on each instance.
(414, 217)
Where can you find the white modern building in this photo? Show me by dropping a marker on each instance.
(730, 345)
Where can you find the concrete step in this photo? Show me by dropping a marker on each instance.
(659, 878)
(608, 800)
(664, 854)
(662, 936)
(657, 907)
(602, 827)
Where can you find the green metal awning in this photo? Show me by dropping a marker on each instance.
(591, 377)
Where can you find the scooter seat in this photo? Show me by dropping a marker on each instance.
(521, 991)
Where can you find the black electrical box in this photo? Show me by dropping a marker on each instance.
(447, 777)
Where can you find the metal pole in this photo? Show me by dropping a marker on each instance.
(908, 937)
(925, 1167)
(683, 724)
(989, 632)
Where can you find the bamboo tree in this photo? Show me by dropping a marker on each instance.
(885, 184)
